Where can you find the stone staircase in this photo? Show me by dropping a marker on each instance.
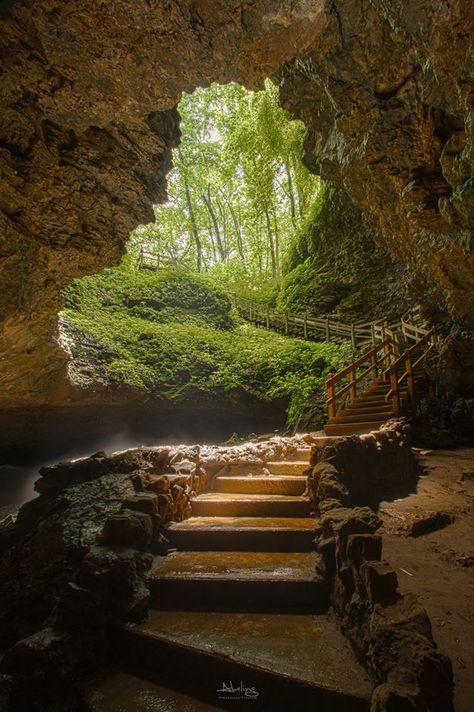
(241, 600)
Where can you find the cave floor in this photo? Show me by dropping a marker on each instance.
(439, 566)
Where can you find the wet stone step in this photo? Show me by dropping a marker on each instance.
(243, 533)
(272, 484)
(239, 581)
(338, 429)
(121, 691)
(301, 454)
(223, 504)
(294, 662)
(287, 467)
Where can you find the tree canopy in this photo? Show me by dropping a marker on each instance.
(238, 190)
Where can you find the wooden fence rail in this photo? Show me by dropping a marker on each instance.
(395, 350)
(326, 329)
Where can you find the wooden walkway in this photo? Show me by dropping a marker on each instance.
(325, 329)
(381, 383)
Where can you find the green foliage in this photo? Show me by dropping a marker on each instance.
(160, 296)
(171, 335)
(296, 291)
(334, 267)
(238, 190)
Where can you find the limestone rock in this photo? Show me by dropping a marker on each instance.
(129, 528)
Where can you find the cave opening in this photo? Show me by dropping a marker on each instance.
(318, 568)
(237, 197)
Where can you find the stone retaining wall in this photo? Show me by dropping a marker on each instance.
(390, 632)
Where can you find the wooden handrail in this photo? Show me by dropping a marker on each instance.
(358, 333)
(428, 340)
(383, 358)
(372, 356)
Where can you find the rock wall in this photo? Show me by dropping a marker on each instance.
(88, 123)
(389, 631)
(385, 94)
(334, 267)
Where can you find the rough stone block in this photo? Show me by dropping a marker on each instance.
(325, 506)
(327, 547)
(359, 520)
(159, 484)
(406, 612)
(128, 528)
(379, 579)
(346, 577)
(389, 697)
(430, 523)
(166, 508)
(363, 547)
(146, 502)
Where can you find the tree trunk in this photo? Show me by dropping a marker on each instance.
(212, 215)
(192, 216)
(291, 194)
(238, 233)
(271, 243)
(301, 205)
(277, 244)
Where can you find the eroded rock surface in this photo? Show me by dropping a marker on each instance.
(385, 95)
(88, 124)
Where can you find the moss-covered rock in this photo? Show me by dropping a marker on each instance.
(335, 267)
(172, 337)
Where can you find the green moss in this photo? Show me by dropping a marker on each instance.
(153, 296)
(172, 336)
(334, 266)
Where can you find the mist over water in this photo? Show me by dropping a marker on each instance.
(17, 478)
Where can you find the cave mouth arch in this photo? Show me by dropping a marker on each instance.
(85, 145)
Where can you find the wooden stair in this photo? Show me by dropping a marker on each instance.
(396, 370)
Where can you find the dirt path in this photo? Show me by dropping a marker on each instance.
(439, 566)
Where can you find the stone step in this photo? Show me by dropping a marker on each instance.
(122, 691)
(243, 534)
(271, 484)
(301, 454)
(224, 504)
(338, 429)
(293, 662)
(238, 581)
(287, 467)
(361, 417)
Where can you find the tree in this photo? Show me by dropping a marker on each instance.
(238, 190)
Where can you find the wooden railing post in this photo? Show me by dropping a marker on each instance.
(305, 327)
(410, 378)
(353, 336)
(373, 359)
(395, 391)
(331, 393)
(353, 384)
